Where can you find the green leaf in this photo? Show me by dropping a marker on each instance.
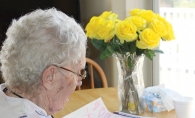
(110, 49)
(150, 54)
(126, 46)
(105, 53)
(158, 51)
(139, 51)
(116, 40)
(99, 44)
(132, 47)
(116, 45)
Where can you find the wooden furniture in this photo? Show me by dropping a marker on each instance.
(110, 99)
(94, 67)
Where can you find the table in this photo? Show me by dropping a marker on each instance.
(110, 99)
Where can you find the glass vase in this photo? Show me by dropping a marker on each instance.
(130, 83)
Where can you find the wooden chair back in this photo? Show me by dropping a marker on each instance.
(92, 68)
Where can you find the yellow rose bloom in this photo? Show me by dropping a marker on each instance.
(105, 14)
(107, 31)
(94, 26)
(170, 36)
(141, 31)
(139, 22)
(113, 16)
(135, 12)
(160, 18)
(148, 15)
(148, 39)
(126, 31)
(158, 27)
(170, 33)
(117, 20)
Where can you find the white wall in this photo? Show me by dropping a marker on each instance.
(91, 8)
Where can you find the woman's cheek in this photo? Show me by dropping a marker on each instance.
(71, 81)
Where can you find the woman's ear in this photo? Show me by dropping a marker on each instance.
(48, 77)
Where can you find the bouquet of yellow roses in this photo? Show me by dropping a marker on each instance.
(139, 33)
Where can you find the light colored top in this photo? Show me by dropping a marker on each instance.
(11, 107)
(110, 98)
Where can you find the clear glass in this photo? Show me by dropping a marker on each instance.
(130, 83)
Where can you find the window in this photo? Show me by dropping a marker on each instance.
(177, 65)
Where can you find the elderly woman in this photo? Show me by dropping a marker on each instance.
(42, 62)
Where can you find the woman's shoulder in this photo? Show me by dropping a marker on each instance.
(19, 107)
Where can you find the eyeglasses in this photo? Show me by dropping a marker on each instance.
(82, 75)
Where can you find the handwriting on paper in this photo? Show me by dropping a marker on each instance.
(95, 109)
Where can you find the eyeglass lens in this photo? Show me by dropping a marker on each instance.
(83, 73)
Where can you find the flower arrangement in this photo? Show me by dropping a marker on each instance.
(140, 33)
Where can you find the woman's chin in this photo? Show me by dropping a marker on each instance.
(79, 83)
(62, 107)
(67, 99)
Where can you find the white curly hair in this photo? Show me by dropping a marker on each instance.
(34, 42)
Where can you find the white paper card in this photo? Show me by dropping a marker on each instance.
(95, 109)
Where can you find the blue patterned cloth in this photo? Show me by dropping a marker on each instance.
(152, 102)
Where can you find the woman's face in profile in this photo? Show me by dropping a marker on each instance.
(67, 83)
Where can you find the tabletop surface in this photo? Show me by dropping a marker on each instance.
(109, 96)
